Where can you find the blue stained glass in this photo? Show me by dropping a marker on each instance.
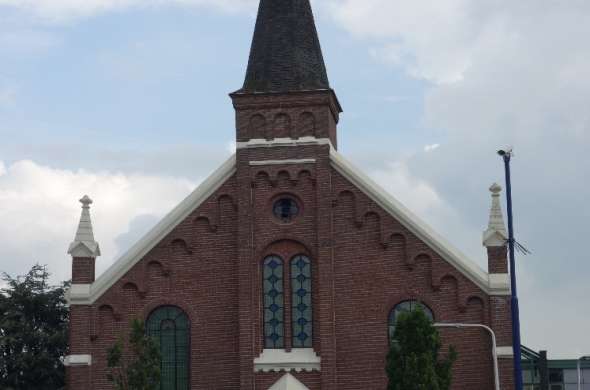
(301, 263)
(302, 337)
(273, 303)
(301, 302)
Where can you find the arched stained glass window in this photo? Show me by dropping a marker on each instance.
(169, 326)
(274, 326)
(406, 307)
(302, 324)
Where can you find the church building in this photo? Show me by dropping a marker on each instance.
(287, 267)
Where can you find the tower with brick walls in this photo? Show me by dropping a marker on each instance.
(286, 268)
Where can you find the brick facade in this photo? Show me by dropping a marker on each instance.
(364, 262)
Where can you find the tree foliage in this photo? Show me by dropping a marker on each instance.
(33, 332)
(138, 368)
(413, 362)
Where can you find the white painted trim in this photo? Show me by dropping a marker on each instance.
(505, 352)
(299, 359)
(424, 232)
(499, 281)
(263, 143)
(78, 292)
(288, 382)
(78, 360)
(163, 228)
(283, 162)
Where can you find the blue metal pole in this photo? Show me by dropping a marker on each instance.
(514, 302)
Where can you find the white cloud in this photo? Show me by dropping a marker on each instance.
(431, 148)
(7, 97)
(39, 212)
(503, 73)
(65, 10)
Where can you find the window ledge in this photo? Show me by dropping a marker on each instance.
(77, 360)
(299, 359)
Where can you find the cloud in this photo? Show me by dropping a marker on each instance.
(431, 148)
(7, 97)
(503, 73)
(59, 11)
(39, 212)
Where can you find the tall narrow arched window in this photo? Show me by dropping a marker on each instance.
(274, 326)
(302, 323)
(169, 326)
(406, 307)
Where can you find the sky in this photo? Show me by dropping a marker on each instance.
(127, 101)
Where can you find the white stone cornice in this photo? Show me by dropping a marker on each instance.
(282, 142)
(505, 352)
(78, 360)
(500, 282)
(283, 162)
(299, 359)
(78, 293)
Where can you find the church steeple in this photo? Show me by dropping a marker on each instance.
(285, 54)
(286, 94)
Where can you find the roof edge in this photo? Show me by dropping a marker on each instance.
(331, 91)
(418, 227)
(121, 266)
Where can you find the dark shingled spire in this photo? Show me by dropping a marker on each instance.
(286, 54)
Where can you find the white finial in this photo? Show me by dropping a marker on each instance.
(495, 234)
(84, 244)
(86, 202)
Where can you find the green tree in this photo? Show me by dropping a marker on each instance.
(139, 368)
(413, 362)
(33, 332)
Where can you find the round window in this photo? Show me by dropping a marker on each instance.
(285, 209)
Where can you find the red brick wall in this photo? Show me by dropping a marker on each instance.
(83, 269)
(364, 263)
(498, 260)
(295, 115)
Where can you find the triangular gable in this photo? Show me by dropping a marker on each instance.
(415, 225)
(288, 382)
(159, 232)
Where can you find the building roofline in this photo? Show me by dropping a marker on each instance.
(418, 227)
(90, 293)
(121, 266)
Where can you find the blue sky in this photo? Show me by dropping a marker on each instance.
(128, 101)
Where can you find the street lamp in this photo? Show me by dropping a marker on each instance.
(580, 360)
(494, 346)
(506, 156)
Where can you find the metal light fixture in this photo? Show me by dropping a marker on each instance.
(494, 345)
(506, 155)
